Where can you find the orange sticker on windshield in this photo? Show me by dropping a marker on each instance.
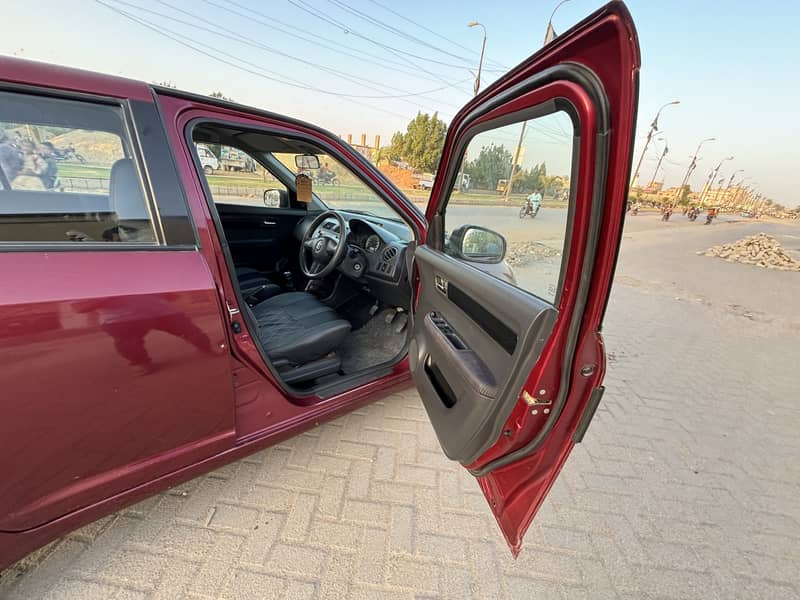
(302, 183)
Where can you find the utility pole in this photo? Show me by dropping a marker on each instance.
(510, 183)
(711, 177)
(728, 187)
(653, 129)
(658, 166)
(477, 85)
(690, 170)
(550, 33)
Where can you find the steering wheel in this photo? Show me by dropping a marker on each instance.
(326, 253)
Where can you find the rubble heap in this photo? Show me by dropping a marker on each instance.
(521, 253)
(760, 249)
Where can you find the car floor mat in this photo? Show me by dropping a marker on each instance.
(374, 343)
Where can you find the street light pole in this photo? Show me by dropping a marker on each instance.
(658, 166)
(653, 129)
(550, 33)
(691, 168)
(477, 85)
(728, 187)
(711, 177)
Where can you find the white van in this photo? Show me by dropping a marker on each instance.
(208, 159)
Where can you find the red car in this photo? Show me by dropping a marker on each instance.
(156, 323)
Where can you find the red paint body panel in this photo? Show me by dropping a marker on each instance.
(605, 43)
(115, 371)
(120, 374)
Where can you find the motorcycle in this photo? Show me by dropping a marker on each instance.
(666, 214)
(692, 214)
(327, 178)
(529, 209)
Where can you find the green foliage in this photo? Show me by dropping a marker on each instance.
(421, 145)
(220, 96)
(492, 164)
(684, 198)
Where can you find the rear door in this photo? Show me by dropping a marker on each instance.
(112, 335)
(507, 355)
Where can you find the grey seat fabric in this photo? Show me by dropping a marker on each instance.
(127, 201)
(298, 328)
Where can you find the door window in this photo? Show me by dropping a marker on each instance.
(515, 180)
(67, 174)
(235, 177)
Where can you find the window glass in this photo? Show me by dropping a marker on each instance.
(67, 174)
(235, 177)
(514, 181)
(340, 189)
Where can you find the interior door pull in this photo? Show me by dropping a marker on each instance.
(269, 223)
(441, 284)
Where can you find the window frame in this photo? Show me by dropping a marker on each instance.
(132, 143)
(542, 109)
(358, 171)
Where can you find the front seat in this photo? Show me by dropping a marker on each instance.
(127, 201)
(255, 286)
(295, 330)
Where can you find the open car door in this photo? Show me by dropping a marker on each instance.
(511, 377)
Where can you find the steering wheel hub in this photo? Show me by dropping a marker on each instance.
(326, 250)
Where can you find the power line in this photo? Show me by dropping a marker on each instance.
(302, 5)
(429, 30)
(264, 73)
(238, 37)
(332, 45)
(391, 29)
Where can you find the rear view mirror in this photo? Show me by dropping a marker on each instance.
(306, 161)
(478, 244)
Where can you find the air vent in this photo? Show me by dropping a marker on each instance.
(389, 253)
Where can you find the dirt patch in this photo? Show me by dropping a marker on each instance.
(522, 253)
(761, 250)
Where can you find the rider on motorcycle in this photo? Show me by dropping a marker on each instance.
(533, 203)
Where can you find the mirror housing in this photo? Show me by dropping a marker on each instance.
(276, 198)
(306, 161)
(477, 244)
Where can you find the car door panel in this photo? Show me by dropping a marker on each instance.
(259, 237)
(530, 370)
(466, 347)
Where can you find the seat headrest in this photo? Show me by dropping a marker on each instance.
(125, 191)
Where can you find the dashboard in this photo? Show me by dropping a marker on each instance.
(375, 255)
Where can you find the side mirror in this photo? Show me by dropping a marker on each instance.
(306, 161)
(275, 198)
(477, 244)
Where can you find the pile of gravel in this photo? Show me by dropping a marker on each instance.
(520, 254)
(760, 249)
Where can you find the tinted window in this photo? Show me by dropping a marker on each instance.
(515, 180)
(67, 174)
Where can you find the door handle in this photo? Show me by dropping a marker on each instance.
(441, 284)
(268, 223)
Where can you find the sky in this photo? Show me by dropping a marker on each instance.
(732, 65)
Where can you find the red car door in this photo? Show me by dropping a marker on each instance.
(113, 340)
(511, 379)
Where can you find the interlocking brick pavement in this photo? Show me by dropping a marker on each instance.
(686, 486)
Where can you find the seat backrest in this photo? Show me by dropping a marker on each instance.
(125, 192)
(127, 201)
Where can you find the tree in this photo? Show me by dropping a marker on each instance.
(166, 83)
(684, 197)
(421, 145)
(219, 95)
(492, 164)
